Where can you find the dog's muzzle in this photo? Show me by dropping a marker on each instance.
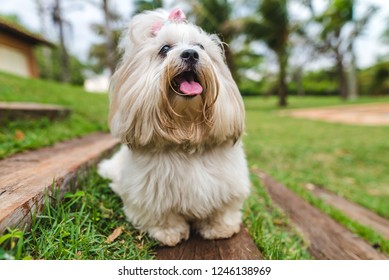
(187, 83)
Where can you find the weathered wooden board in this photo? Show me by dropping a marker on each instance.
(238, 247)
(353, 210)
(25, 177)
(23, 111)
(327, 239)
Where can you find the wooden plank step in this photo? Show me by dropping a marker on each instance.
(25, 177)
(22, 111)
(352, 210)
(238, 247)
(327, 239)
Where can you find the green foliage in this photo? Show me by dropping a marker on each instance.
(322, 83)
(50, 68)
(372, 81)
(385, 33)
(337, 15)
(338, 30)
(375, 80)
(272, 26)
(98, 53)
(144, 5)
(247, 60)
(252, 88)
(215, 17)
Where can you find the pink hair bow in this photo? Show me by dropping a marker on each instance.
(176, 15)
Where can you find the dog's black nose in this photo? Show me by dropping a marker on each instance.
(190, 56)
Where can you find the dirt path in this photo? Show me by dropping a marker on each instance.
(367, 114)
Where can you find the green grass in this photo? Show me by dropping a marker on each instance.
(78, 226)
(270, 229)
(350, 160)
(89, 114)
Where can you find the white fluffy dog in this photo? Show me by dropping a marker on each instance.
(180, 117)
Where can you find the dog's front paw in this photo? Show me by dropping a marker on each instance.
(218, 231)
(170, 236)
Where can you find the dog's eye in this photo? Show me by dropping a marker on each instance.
(200, 46)
(164, 50)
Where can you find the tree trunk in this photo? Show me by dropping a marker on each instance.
(109, 38)
(341, 76)
(299, 81)
(57, 16)
(352, 77)
(47, 64)
(282, 88)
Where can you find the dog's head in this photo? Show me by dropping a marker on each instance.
(173, 87)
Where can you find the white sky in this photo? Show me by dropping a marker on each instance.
(367, 47)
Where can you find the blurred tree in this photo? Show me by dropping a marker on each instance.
(42, 14)
(272, 26)
(105, 54)
(249, 65)
(385, 33)
(144, 5)
(384, 39)
(111, 46)
(53, 70)
(59, 21)
(333, 19)
(338, 30)
(56, 64)
(380, 79)
(98, 52)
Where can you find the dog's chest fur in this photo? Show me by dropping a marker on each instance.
(192, 185)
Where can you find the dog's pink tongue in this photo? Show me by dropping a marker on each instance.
(191, 88)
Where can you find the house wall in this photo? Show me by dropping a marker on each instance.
(17, 57)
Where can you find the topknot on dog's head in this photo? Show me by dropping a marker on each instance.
(146, 25)
(140, 28)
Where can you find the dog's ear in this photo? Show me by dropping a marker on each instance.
(222, 46)
(143, 27)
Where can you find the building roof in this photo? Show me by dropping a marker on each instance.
(22, 33)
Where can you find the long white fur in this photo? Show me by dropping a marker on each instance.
(185, 165)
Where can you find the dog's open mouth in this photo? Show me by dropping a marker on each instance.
(187, 84)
